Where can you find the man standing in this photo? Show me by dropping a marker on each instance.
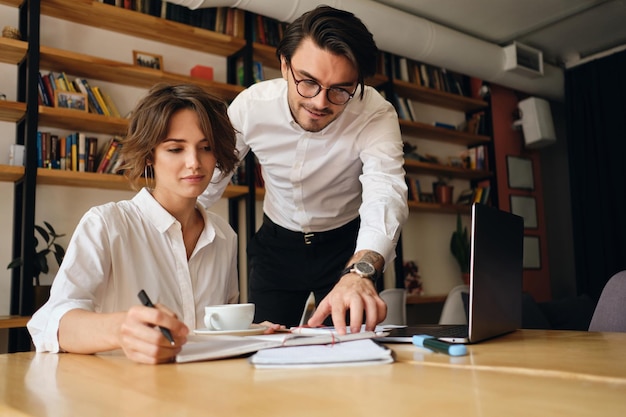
(331, 154)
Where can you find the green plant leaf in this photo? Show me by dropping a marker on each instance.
(41, 262)
(43, 233)
(59, 253)
(15, 263)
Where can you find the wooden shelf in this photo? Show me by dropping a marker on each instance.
(12, 3)
(425, 131)
(265, 54)
(47, 176)
(437, 97)
(13, 322)
(377, 80)
(425, 299)
(121, 73)
(10, 173)
(105, 181)
(438, 208)
(129, 22)
(417, 167)
(12, 111)
(12, 51)
(81, 120)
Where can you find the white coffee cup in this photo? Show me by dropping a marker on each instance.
(229, 316)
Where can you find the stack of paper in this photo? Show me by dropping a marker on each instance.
(224, 346)
(357, 352)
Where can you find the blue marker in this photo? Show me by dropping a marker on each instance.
(436, 345)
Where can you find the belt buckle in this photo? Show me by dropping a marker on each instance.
(308, 238)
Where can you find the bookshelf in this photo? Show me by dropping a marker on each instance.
(129, 22)
(10, 173)
(93, 67)
(31, 57)
(11, 111)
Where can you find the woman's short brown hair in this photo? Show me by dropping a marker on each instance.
(149, 124)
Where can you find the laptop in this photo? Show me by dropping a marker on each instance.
(494, 305)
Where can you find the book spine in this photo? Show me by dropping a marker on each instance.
(68, 153)
(91, 97)
(43, 92)
(49, 89)
(74, 152)
(110, 104)
(98, 95)
(45, 149)
(39, 150)
(62, 153)
(81, 151)
(92, 151)
(54, 152)
(107, 156)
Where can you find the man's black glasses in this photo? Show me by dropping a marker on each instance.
(308, 88)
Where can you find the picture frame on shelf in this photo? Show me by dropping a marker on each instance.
(520, 173)
(525, 207)
(70, 100)
(532, 253)
(148, 60)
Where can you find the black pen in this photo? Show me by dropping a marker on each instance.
(145, 300)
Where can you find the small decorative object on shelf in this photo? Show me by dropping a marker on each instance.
(460, 248)
(11, 32)
(412, 279)
(70, 100)
(147, 59)
(443, 191)
(202, 71)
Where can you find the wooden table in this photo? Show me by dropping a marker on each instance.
(526, 373)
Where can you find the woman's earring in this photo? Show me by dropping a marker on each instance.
(148, 173)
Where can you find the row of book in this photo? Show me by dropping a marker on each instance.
(478, 194)
(266, 30)
(78, 152)
(226, 20)
(476, 158)
(423, 74)
(94, 99)
(475, 123)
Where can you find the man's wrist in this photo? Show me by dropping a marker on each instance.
(364, 269)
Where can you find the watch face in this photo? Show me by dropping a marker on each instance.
(365, 269)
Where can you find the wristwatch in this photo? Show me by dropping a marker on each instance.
(364, 269)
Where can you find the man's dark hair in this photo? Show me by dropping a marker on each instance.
(336, 31)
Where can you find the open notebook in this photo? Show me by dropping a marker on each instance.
(495, 297)
(202, 348)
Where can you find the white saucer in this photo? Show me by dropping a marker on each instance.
(252, 330)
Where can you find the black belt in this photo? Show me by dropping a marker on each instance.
(313, 237)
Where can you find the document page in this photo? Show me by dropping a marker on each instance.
(347, 353)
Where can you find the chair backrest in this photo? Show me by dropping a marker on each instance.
(395, 298)
(454, 310)
(610, 312)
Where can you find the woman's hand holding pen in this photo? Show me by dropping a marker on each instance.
(143, 341)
